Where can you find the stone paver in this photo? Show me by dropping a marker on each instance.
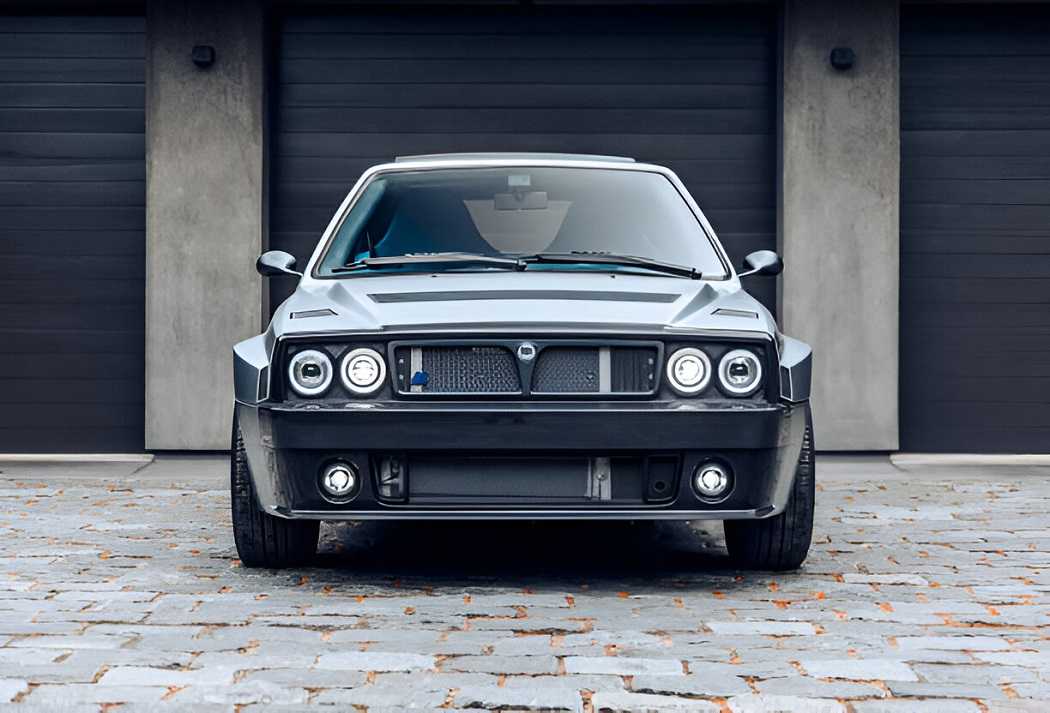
(862, 669)
(928, 589)
(783, 704)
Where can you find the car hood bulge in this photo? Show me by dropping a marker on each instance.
(455, 301)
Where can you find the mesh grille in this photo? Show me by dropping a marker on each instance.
(578, 370)
(566, 370)
(463, 370)
(494, 369)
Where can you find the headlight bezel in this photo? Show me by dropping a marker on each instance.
(346, 364)
(297, 359)
(724, 364)
(336, 348)
(715, 354)
(716, 347)
(682, 353)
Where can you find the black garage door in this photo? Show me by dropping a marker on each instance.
(72, 227)
(975, 229)
(692, 89)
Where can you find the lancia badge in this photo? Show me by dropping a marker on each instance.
(526, 351)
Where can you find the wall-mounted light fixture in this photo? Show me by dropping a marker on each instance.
(843, 58)
(203, 56)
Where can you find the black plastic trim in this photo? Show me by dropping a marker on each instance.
(465, 425)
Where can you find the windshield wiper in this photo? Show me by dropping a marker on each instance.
(452, 258)
(520, 262)
(579, 257)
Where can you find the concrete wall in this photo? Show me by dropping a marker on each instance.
(840, 202)
(204, 219)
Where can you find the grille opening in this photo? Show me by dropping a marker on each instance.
(567, 370)
(633, 369)
(457, 370)
(516, 479)
(586, 369)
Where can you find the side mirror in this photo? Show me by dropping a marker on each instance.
(762, 262)
(276, 262)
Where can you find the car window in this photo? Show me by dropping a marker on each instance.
(521, 211)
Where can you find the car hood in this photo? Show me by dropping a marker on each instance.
(554, 301)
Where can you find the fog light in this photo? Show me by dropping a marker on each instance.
(711, 480)
(339, 480)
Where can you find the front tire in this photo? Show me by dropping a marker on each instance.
(264, 540)
(781, 542)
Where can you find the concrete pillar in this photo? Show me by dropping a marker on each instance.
(205, 213)
(840, 202)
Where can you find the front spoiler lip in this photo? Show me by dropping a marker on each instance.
(271, 435)
(524, 514)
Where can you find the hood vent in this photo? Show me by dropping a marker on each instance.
(477, 295)
(728, 312)
(313, 313)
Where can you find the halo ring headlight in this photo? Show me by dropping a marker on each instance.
(363, 371)
(689, 371)
(310, 372)
(740, 372)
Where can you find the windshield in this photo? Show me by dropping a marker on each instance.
(516, 211)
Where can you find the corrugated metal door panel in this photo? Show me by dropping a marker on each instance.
(72, 197)
(975, 229)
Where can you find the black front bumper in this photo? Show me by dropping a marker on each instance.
(525, 460)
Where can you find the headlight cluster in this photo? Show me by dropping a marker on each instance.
(689, 370)
(739, 371)
(310, 372)
(361, 370)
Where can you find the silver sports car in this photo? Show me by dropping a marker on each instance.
(521, 336)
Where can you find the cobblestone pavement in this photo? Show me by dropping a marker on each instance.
(927, 591)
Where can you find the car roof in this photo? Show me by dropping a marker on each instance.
(512, 156)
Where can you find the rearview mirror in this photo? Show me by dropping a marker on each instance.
(276, 262)
(528, 200)
(762, 262)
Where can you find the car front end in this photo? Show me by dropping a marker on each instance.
(586, 422)
(497, 394)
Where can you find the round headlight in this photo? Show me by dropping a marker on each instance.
(363, 371)
(310, 372)
(688, 370)
(740, 372)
